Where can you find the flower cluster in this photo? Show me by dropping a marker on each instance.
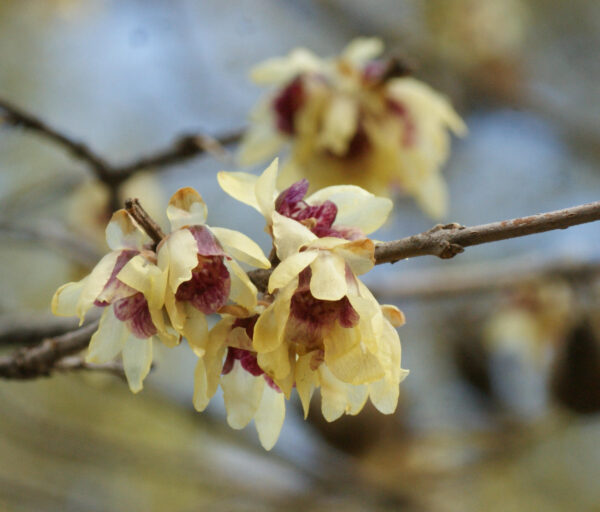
(354, 119)
(315, 326)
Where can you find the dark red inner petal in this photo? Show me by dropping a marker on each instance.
(247, 323)
(287, 103)
(113, 287)
(209, 287)
(206, 241)
(135, 313)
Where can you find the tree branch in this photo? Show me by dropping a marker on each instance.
(40, 361)
(446, 241)
(184, 148)
(148, 224)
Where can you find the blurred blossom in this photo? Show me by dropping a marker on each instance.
(354, 119)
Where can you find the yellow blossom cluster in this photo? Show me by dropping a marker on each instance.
(315, 326)
(353, 119)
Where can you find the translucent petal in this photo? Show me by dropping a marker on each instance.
(66, 298)
(266, 188)
(269, 328)
(356, 207)
(393, 315)
(281, 69)
(123, 233)
(137, 360)
(363, 49)
(306, 381)
(260, 142)
(339, 126)
(175, 310)
(206, 380)
(289, 235)
(333, 395)
(242, 290)
(328, 281)
(186, 208)
(357, 396)
(275, 363)
(241, 247)
(240, 186)
(289, 268)
(107, 342)
(269, 417)
(144, 277)
(195, 328)
(359, 255)
(182, 257)
(432, 195)
(242, 393)
(357, 366)
(95, 282)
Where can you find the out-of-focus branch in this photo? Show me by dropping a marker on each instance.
(78, 363)
(55, 236)
(30, 328)
(40, 361)
(184, 148)
(446, 241)
(471, 279)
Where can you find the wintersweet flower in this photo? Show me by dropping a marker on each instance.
(128, 285)
(344, 211)
(248, 392)
(324, 327)
(201, 275)
(353, 119)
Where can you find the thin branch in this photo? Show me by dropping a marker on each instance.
(184, 148)
(78, 363)
(446, 241)
(440, 283)
(14, 116)
(148, 224)
(30, 328)
(40, 361)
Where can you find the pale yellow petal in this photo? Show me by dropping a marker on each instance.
(269, 328)
(242, 290)
(393, 315)
(240, 186)
(195, 328)
(356, 207)
(95, 283)
(357, 396)
(183, 257)
(175, 310)
(339, 126)
(186, 208)
(328, 281)
(269, 417)
(145, 277)
(333, 395)
(66, 298)
(306, 381)
(363, 49)
(260, 142)
(241, 247)
(289, 235)
(137, 360)
(275, 363)
(206, 379)
(266, 188)
(242, 393)
(358, 254)
(278, 70)
(123, 233)
(107, 342)
(289, 268)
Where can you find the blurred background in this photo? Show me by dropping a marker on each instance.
(503, 342)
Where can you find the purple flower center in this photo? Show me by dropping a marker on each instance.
(209, 287)
(312, 318)
(319, 218)
(287, 103)
(135, 313)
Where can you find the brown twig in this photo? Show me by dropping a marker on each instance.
(184, 148)
(446, 241)
(78, 363)
(39, 361)
(30, 328)
(148, 224)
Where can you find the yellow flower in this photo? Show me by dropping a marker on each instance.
(352, 120)
(345, 211)
(200, 274)
(248, 392)
(324, 327)
(128, 284)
